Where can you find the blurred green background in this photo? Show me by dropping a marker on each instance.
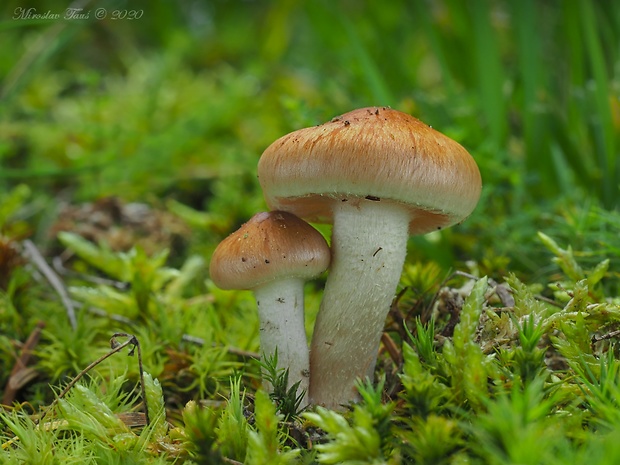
(172, 103)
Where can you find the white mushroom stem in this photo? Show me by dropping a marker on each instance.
(281, 317)
(369, 244)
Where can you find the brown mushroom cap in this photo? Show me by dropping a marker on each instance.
(270, 246)
(378, 154)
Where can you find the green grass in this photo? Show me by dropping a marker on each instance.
(171, 112)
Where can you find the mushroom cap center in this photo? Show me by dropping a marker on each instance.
(371, 154)
(270, 246)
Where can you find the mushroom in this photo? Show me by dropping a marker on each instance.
(378, 175)
(273, 254)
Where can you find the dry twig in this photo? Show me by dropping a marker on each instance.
(116, 347)
(37, 259)
(20, 372)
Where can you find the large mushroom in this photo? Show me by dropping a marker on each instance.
(378, 175)
(273, 254)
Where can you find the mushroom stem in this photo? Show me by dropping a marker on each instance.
(369, 244)
(281, 317)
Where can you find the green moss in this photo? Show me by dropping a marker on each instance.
(513, 359)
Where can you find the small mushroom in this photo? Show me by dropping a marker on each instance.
(273, 254)
(378, 177)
